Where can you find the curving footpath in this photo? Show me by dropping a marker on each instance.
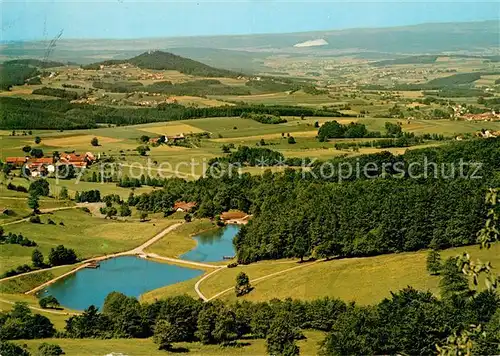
(251, 281)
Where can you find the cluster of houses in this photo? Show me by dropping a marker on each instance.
(488, 133)
(46, 165)
(461, 113)
(487, 116)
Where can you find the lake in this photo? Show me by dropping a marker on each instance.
(212, 245)
(129, 275)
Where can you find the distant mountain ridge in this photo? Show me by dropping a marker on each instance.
(159, 60)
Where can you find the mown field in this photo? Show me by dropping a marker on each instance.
(363, 280)
(89, 236)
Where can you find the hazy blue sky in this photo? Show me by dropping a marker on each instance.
(26, 20)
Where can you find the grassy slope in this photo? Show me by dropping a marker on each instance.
(25, 283)
(143, 347)
(180, 240)
(87, 235)
(364, 280)
(59, 320)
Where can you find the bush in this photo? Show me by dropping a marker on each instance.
(49, 350)
(62, 256)
(49, 302)
(35, 219)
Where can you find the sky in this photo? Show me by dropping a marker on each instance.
(124, 19)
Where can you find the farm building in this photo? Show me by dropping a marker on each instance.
(16, 161)
(184, 206)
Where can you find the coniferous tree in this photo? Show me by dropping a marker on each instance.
(433, 262)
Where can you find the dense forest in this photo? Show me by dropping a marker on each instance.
(159, 60)
(35, 63)
(61, 114)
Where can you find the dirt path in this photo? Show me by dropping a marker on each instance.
(50, 210)
(186, 262)
(197, 285)
(41, 309)
(253, 281)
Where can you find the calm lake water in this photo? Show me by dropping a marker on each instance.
(129, 275)
(213, 245)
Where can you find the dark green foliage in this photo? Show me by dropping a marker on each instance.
(242, 284)
(34, 63)
(35, 219)
(36, 152)
(62, 256)
(46, 349)
(310, 89)
(142, 150)
(291, 140)
(282, 334)
(126, 315)
(18, 270)
(200, 87)
(263, 118)
(433, 262)
(37, 258)
(15, 239)
(457, 93)
(455, 79)
(26, 149)
(453, 281)
(65, 171)
(332, 129)
(94, 142)
(489, 343)
(167, 61)
(271, 85)
(216, 324)
(20, 323)
(60, 114)
(125, 210)
(39, 187)
(60, 93)
(393, 130)
(119, 87)
(90, 324)
(89, 196)
(15, 74)
(33, 203)
(406, 60)
(48, 301)
(251, 156)
(164, 334)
